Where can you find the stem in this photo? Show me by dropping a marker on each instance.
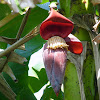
(53, 4)
(26, 38)
(23, 24)
(7, 51)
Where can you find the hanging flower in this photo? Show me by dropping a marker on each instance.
(56, 29)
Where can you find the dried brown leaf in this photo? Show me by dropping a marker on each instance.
(22, 47)
(96, 26)
(14, 57)
(2, 62)
(9, 71)
(97, 38)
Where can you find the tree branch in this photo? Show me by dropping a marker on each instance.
(23, 24)
(26, 38)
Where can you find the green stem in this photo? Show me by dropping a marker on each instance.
(23, 24)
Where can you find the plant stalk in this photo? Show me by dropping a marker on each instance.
(26, 38)
(23, 24)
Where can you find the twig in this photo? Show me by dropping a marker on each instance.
(23, 24)
(7, 51)
(18, 34)
(26, 38)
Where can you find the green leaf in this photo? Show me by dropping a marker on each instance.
(65, 5)
(21, 73)
(26, 94)
(2, 97)
(49, 94)
(36, 84)
(71, 83)
(37, 15)
(3, 45)
(4, 10)
(44, 1)
(82, 34)
(89, 79)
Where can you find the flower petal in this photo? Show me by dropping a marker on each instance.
(55, 25)
(75, 45)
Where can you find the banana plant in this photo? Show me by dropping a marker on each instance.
(68, 32)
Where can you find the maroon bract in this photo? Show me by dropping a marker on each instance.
(55, 25)
(55, 64)
(75, 45)
(56, 29)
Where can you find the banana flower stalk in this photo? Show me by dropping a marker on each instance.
(57, 30)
